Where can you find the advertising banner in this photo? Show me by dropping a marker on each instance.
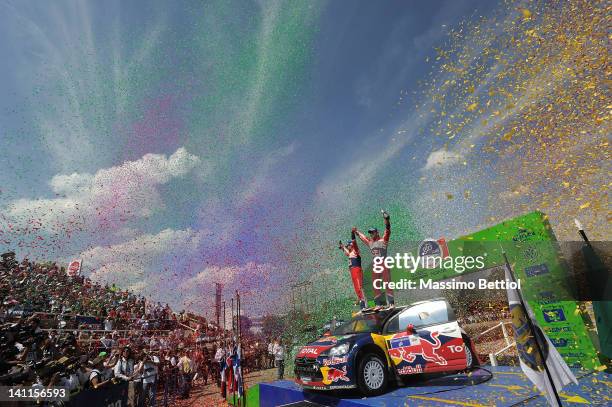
(115, 395)
(74, 268)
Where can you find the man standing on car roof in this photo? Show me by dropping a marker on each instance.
(378, 247)
(351, 250)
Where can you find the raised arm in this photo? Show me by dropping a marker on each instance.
(342, 247)
(387, 219)
(363, 237)
(353, 238)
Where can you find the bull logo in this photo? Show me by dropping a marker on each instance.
(332, 375)
(426, 349)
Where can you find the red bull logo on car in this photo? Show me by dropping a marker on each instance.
(333, 375)
(424, 348)
(334, 360)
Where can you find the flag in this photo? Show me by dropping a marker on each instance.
(222, 374)
(238, 370)
(539, 359)
(74, 268)
(228, 374)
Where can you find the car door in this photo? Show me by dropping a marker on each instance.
(436, 344)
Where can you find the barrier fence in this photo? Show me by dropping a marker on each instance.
(508, 341)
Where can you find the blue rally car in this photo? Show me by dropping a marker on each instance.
(379, 345)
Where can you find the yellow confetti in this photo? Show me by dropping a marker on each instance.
(526, 13)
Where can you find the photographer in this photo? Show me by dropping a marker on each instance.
(124, 369)
(83, 372)
(111, 362)
(68, 379)
(96, 376)
(147, 371)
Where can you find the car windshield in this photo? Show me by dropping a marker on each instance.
(363, 323)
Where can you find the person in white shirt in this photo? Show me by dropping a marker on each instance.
(72, 383)
(108, 324)
(124, 369)
(271, 354)
(279, 358)
(219, 357)
(219, 354)
(96, 377)
(147, 371)
(153, 343)
(107, 343)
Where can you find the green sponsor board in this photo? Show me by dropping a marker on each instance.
(536, 260)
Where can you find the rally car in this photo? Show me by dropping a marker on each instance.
(377, 346)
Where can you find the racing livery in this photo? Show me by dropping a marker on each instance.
(376, 346)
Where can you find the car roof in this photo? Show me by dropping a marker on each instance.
(424, 301)
(400, 308)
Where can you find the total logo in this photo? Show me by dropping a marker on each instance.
(332, 375)
(426, 349)
(309, 351)
(456, 348)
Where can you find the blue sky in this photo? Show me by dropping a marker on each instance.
(174, 144)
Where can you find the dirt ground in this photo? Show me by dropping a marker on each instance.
(210, 395)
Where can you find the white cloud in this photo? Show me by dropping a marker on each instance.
(108, 197)
(440, 158)
(67, 184)
(167, 266)
(226, 275)
(251, 279)
(142, 262)
(143, 248)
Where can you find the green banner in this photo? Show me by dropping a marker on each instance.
(536, 259)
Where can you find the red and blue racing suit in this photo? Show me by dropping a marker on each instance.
(378, 248)
(352, 252)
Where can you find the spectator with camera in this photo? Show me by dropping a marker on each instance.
(147, 372)
(124, 369)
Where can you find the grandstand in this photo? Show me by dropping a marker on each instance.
(60, 330)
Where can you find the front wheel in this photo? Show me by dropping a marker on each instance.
(372, 375)
(470, 359)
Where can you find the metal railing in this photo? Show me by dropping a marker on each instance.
(509, 343)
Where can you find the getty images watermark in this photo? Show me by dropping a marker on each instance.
(459, 264)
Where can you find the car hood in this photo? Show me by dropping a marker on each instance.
(316, 348)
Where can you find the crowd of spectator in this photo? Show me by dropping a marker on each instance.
(479, 311)
(60, 330)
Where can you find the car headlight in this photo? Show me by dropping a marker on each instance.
(339, 350)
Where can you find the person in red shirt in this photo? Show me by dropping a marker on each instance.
(351, 250)
(378, 247)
